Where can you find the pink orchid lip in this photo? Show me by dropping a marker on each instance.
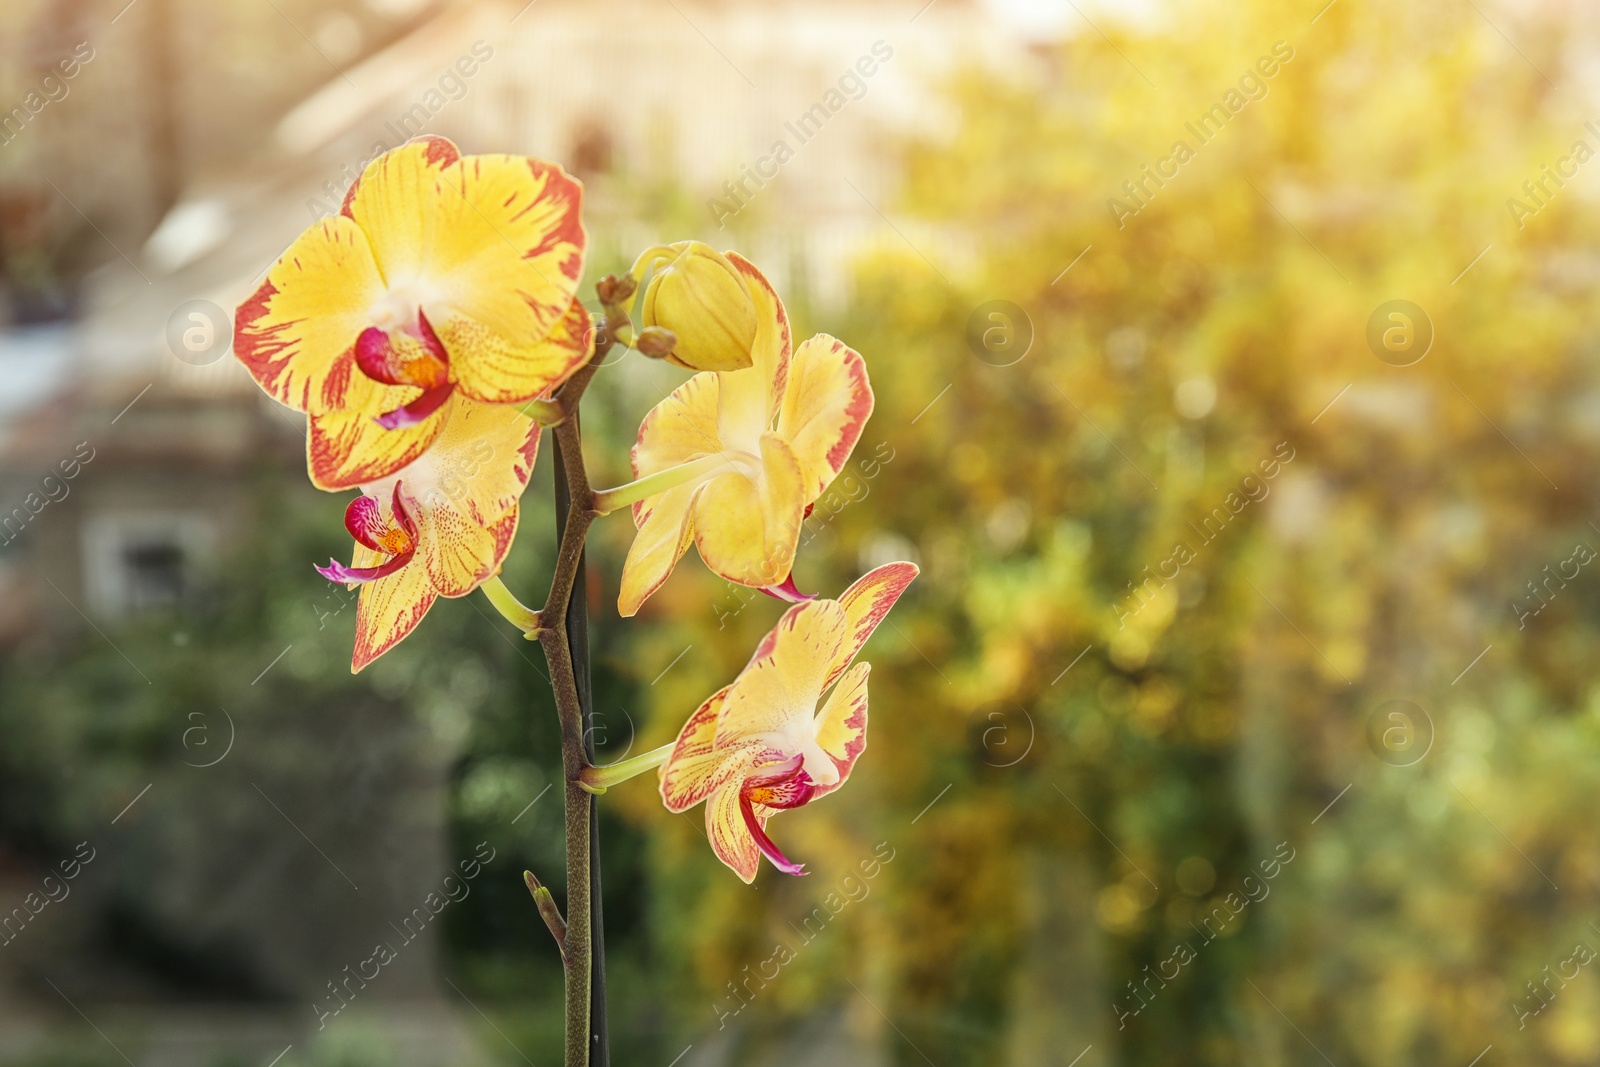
(795, 789)
(338, 572)
(417, 410)
(376, 356)
(363, 519)
(787, 591)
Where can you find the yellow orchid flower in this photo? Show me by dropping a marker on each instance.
(443, 275)
(731, 460)
(760, 746)
(440, 526)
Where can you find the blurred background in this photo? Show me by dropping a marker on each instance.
(1237, 393)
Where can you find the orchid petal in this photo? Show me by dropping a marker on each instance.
(681, 428)
(825, 406)
(689, 775)
(492, 244)
(731, 837)
(664, 536)
(389, 609)
(296, 334)
(345, 449)
(490, 367)
(747, 529)
(866, 603)
(842, 725)
(748, 402)
(776, 694)
(463, 492)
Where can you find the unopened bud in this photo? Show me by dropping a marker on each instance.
(656, 342)
(614, 290)
(700, 296)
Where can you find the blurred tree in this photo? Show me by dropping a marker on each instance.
(1171, 551)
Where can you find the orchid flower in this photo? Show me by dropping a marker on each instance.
(443, 275)
(732, 459)
(440, 526)
(760, 746)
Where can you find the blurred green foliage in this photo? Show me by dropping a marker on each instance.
(1186, 347)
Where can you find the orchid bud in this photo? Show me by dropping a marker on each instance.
(655, 342)
(614, 290)
(704, 300)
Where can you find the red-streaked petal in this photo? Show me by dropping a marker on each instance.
(687, 777)
(865, 604)
(437, 151)
(826, 404)
(697, 768)
(459, 554)
(497, 369)
(388, 610)
(463, 490)
(779, 688)
(416, 411)
(730, 835)
(757, 826)
(495, 239)
(842, 725)
(296, 334)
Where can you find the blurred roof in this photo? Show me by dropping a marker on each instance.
(694, 94)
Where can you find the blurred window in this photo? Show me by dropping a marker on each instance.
(145, 562)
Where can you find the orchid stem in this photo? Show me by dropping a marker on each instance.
(599, 779)
(564, 636)
(515, 611)
(608, 500)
